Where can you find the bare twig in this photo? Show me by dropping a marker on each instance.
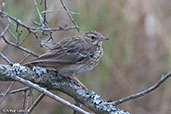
(45, 8)
(12, 34)
(24, 100)
(18, 21)
(40, 16)
(69, 14)
(6, 92)
(25, 57)
(35, 29)
(5, 58)
(4, 31)
(146, 91)
(28, 99)
(35, 103)
(50, 11)
(50, 37)
(36, 23)
(2, 35)
(19, 90)
(20, 47)
(49, 94)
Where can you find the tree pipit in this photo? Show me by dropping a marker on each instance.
(74, 55)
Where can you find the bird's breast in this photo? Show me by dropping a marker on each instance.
(96, 56)
(91, 63)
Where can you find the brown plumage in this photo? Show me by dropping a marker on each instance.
(73, 55)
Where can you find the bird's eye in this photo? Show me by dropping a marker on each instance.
(93, 37)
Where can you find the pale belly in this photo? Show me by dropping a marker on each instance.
(84, 68)
(75, 69)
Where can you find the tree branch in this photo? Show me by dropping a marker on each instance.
(144, 92)
(52, 80)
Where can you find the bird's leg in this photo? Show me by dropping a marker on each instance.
(72, 76)
(81, 84)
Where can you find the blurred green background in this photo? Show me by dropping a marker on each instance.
(135, 57)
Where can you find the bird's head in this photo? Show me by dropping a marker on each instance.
(94, 38)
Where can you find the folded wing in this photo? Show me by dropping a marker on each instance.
(65, 53)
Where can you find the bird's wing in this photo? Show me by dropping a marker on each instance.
(65, 53)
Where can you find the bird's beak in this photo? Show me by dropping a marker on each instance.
(104, 38)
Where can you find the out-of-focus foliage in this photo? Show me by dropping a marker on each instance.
(135, 57)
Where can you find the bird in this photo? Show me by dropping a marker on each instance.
(73, 55)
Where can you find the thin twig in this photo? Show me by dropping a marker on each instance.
(24, 100)
(35, 103)
(19, 90)
(12, 34)
(28, 100)
(18, 21)
(50, 11)
(70, 16)
(41, 42)
(24, 38)
(49, 94)
(6, 92)
(36, 23)
(146, 91)
(5, 58)
(45, 8)
(50, 37)
(4, 31)
(25, 57)
(35, 29)
(40, 16)
(20, 47)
